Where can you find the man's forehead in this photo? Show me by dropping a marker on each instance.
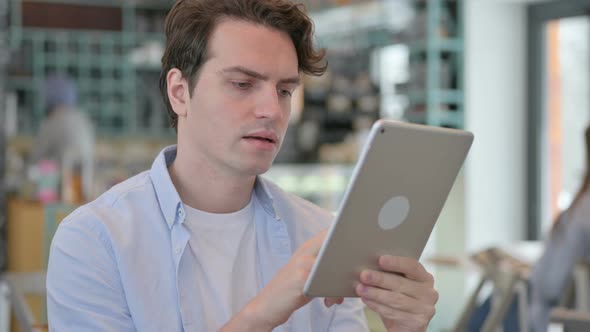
(249, 50)
(242, 32)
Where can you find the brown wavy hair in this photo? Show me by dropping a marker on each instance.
(190, 23)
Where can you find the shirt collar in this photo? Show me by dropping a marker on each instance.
(264, 195)
(169, 199)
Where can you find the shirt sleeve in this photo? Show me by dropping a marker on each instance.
(564, 249)
(349, 317)
(84, 290)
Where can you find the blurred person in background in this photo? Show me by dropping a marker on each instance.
(568, 244)
(67, 137)
(201, 242)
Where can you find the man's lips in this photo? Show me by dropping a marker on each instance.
(267, 136)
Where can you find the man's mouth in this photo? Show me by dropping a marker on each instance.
(260, 138)
(265, 136)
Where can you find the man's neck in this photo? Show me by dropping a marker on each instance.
(205, 188)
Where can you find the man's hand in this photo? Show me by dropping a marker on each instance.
(283, 295)
(403, 295)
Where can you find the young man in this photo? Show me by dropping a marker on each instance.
(200, 242)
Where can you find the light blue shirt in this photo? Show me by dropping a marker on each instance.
(121, 263)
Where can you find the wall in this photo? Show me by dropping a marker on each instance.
(495, 100)
(488, 202)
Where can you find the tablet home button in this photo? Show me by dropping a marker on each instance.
(394, 212)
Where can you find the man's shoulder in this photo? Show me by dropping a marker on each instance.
(121, 199)
(140, 184)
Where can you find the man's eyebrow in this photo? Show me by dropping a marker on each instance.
(239, 69)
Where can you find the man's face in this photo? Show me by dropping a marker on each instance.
(239, 111)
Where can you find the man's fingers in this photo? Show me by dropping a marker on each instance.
(393, 300)
(329, 301)
(312, 246)
(409, 267)
(400, 320)
(397, 283)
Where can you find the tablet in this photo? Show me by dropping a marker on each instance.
(397, 190)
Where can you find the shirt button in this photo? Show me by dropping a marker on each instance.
(177, 250)
(180, 212)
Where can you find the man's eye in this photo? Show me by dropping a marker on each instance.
(241, 85)
(285, 93)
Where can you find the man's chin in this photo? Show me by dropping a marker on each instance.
(256, 168)
(261, 169)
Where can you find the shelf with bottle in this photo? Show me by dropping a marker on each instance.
(440, 45)
(106, 60)
(438, 96)
(432, 34)
(360, 24)
(435, 44)
(338, 100)
(440, 117)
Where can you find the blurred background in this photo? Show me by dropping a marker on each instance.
(80, 111)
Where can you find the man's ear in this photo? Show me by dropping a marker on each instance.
(178, 92)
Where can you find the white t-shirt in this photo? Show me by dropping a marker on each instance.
(224, 246)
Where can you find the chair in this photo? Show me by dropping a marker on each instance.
(507, 279)
(571, 320)
(14, 286)
(582, 286)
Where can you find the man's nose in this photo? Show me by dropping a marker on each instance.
(269, 105)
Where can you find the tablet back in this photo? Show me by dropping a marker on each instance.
(398, 188)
